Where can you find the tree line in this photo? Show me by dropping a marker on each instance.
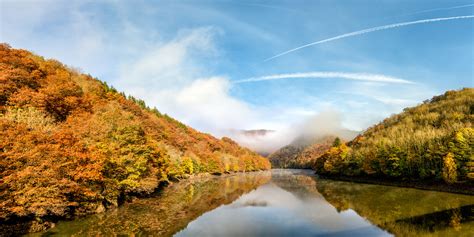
(431, 141)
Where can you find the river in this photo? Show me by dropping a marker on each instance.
(281, 203)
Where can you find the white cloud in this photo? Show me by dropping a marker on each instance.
(170, 64)
(307, 129)
(206, 103)
(172, 78)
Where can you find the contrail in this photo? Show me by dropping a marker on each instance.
(435, 9)
(344, 75)
(265, 6)
(369, 30)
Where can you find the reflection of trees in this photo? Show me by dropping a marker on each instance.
(299, 182)
(453, 222)
(456, 218)
(168, 212)
(404, 211)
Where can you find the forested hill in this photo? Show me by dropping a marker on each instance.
(300, 155)
(71, 145)
(432, 141)
(306, 148)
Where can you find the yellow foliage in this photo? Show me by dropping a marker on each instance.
(431, 141)
(187, 164)
(449, 168)
(32, 117)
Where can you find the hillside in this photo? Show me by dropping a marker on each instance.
(305, 149)
(72, 145)
(297, 155)
(433, 141)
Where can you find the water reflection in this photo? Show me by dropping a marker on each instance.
(293, 207)
(168, 212)
(283, 203)
(439, 221)
(404, 211)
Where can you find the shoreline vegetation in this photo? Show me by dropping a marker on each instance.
(71, 145)
(459, 188)
(23, 226)
(429, 146)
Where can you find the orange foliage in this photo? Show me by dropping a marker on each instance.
(70, 144)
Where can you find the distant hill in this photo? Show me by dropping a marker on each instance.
(284, 157)
(309, 139)
(431, 141)
(72, 145)
(256, 132)
(303, 150)
(308, 156)
(254, 139)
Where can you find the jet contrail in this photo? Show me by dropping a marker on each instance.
(369, 30)
(344, 75)
(265, 6)
(434, 9)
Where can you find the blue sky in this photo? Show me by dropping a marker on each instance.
(184, 56)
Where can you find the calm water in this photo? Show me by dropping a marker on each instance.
(281, 203)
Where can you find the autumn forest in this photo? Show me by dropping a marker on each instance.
(72, 145)
(233, 118)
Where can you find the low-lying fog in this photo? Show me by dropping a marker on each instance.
(328, 122)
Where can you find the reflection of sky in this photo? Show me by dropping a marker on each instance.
(273, 211)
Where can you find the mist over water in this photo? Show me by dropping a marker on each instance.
(325, 123)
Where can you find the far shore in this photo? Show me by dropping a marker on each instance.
(459, 188)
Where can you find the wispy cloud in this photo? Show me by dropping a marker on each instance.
(171, 77)
(370, 30)
(342, 75)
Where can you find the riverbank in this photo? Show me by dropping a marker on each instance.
(459, 188)
(16, 226)
(270, 203)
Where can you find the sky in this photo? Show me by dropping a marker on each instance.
(221, 66)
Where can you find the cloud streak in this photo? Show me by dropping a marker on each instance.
(321, 75)
(436, 9)
(370, 30)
